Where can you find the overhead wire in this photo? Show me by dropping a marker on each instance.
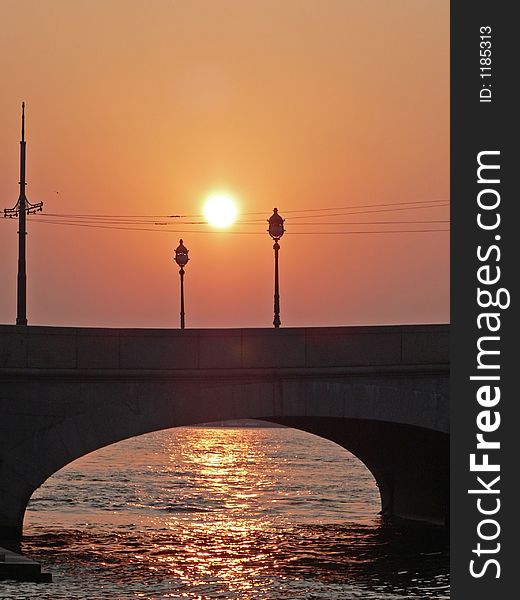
(89, 225)
(409, 204)
(151, 221)
(163, 222)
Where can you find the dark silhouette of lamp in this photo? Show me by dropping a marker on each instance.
(276, 230)
(181, 258)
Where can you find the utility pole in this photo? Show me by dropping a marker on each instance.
(22, 208)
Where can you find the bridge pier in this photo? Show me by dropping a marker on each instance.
(410, 464)
(14, 497)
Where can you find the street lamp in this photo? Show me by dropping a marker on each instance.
(276, 230)
(181, 258)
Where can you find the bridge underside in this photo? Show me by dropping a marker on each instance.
(410, 465)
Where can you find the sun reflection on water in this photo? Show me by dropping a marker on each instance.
(224, 513)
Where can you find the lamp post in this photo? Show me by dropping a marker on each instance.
(181, 258)
(276, 230)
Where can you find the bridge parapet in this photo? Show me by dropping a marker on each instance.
(413, 346)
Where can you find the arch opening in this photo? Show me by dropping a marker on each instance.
(262, 471)
(213, 503)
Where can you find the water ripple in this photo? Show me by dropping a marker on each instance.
(224, 513)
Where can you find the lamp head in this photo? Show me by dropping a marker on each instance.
(181, 254)
(276, 228)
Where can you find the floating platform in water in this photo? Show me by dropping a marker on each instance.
(20, 568)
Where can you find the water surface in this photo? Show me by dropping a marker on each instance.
(226, 513)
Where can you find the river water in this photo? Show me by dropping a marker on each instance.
(252, 513)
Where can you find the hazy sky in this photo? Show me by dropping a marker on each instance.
(145, 107)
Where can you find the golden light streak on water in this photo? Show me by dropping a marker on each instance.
(260, 514)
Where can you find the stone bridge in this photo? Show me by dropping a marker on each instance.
(380, 392)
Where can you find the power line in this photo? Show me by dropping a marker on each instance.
(349, 207)
(149, 221)
(140, 222)
(379, 210)
(366, 205)
(248, 223)
(427, 222)
(408, 204)
(75, 224)
(98, 216)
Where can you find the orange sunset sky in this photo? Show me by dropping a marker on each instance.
(146, 107)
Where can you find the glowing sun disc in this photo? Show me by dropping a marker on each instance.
(220, 210)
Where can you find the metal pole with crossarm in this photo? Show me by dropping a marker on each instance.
(22, 208)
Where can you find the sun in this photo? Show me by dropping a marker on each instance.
(220, 210)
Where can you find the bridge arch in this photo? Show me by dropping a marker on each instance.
(392, 415)
(408, 463)
(173, 450)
